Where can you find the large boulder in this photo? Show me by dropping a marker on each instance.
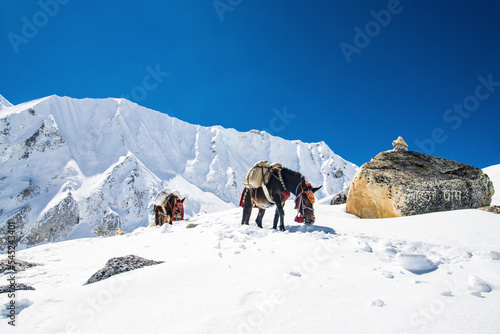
(402, 183)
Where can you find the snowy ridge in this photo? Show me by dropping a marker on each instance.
(105, 159)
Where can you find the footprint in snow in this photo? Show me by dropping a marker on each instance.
(495, 256)
(295, 273)
(387, 254)
(246, 296)
(388, 274)
(446, 293)
(477, 294)
(477, 284)
(416, 263)
(378, 303)
(365, 247)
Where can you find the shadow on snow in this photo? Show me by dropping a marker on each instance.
(310, 228)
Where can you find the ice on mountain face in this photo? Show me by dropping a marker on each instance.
(416, 263)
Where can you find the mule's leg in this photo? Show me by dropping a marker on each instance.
(276, 217)
(247, 212)
(247, 209)
(280, 211)
(259, 217)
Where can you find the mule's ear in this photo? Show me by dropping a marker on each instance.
(316, 189)
(182, 200)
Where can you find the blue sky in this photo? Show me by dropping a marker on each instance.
(355, 74)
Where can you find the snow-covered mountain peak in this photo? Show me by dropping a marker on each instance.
(105, 159)
(4, 103)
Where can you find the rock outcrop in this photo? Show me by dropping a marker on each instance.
(118, 265)
(340, 197)
(491, 208)
(15, 265)
(15, 287)
(56, 224)
(402, 183)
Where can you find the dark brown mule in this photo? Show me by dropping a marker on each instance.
(279, 187)
(171, 209)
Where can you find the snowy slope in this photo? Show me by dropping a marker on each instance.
(71, 165)
(342, 275)
(494, 174)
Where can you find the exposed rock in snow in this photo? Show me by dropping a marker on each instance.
(14, 226)
(117, 265)
(108, 225)
(340, 197)
(15, 265)
(491, 208)
(15, 287)
(56, 224)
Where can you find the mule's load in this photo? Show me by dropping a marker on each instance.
(257, 175)
(168, 206)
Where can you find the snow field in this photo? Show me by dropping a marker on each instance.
(342, 274)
